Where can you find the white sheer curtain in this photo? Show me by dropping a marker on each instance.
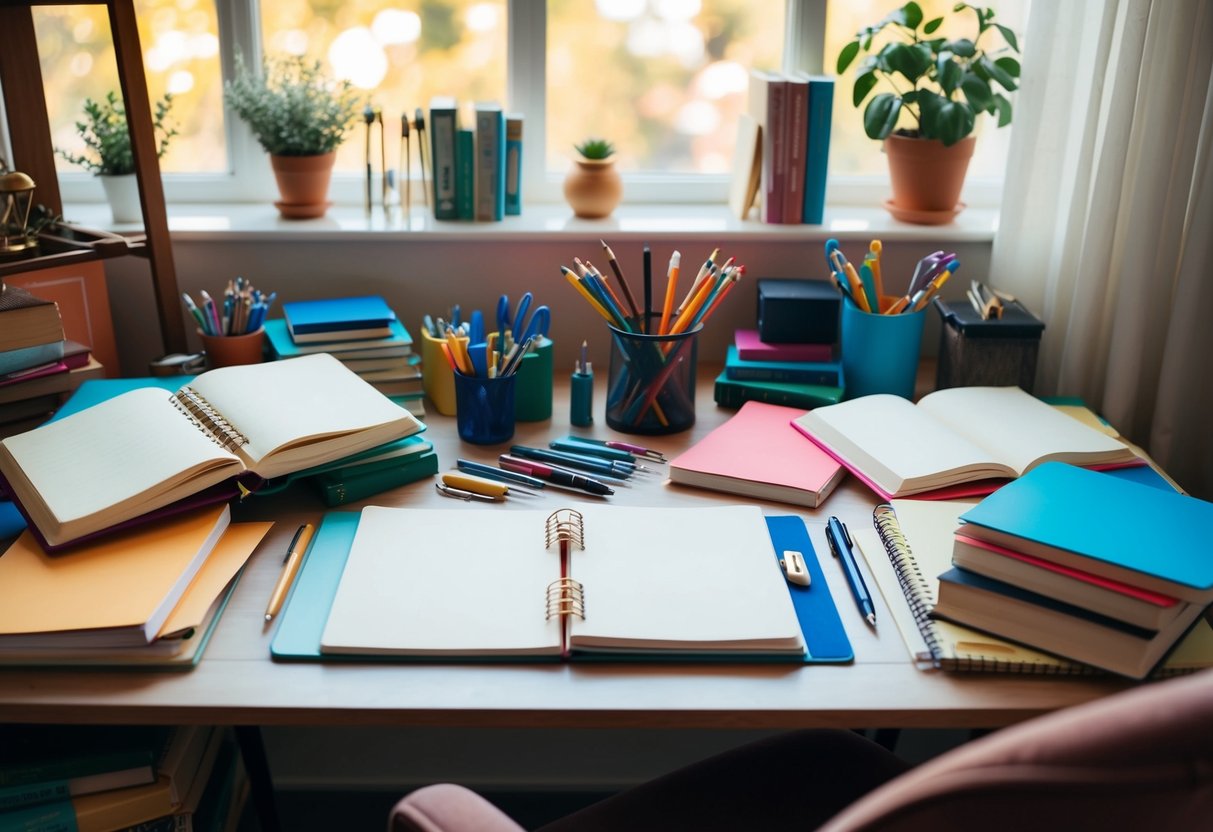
(1107, 218)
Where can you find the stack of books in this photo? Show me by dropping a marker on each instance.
(38, 366)
(794, 375)
(1091, 567)
(363, 333)
(476, 172)
(118, 777)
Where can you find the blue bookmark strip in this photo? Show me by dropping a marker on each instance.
(824, 634)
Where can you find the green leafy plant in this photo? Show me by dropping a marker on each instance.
(949, 81)
(107, 138)
(595, 149)
(292, 107)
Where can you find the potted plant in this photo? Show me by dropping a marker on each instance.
(108, 154)
(299, 116)
(593, 186)
(938, 88)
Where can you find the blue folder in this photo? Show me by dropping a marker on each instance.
(307, 607)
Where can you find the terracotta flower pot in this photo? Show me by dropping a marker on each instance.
(593, 187)
(303, 183)
(927, 177)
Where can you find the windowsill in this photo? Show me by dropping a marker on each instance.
(255, 221)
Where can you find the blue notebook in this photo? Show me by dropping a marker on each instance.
(1111, 526)
(307, 608)
(825, 373)
(308, 317)
(399, 342)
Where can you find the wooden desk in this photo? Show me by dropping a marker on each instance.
(237, 683)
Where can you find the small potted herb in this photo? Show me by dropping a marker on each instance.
(107, 150)
(593, 187)
(300, 117)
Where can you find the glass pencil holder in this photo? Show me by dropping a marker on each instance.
(880, 352)
(651, 381)
(484, 408)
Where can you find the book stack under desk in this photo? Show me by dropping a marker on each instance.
(1083, 564)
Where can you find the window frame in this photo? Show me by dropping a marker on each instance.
(249, 178)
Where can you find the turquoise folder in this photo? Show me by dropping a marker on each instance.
(307, 607)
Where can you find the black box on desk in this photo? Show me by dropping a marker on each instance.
(994, 352)
(797, 311)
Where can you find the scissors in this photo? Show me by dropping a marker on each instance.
(539, 324)
(520, 317)
(476, 327)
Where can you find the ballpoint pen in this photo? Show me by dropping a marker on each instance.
(482, 470)
(294, 557)
(576, 445)
(647, 453)
(481, 485)
(556, 475)
(603, 467)
(842, 548)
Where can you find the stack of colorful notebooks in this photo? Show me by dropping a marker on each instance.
(795, 375)
(363, 333)
(1082, 564)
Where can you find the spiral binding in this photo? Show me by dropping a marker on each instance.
(916, 588)
(564, 525)
(565, 596)
(199, 411)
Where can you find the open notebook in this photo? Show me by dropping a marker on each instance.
(911, 545)
(656, 584)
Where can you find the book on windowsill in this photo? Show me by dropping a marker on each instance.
(1146, 537)
(516, 587)
(731, 392)
(338, 319)
(1073, 632)
(954, 442)
(142, 451)
(910, 545)
(758, 453)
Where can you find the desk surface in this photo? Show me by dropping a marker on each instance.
(237, 683)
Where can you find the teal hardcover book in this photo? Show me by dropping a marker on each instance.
(349, 485)
(1110, 526)
(285, 347)
(337, 315)
(817, 148)
(465, 174)
(513, 163)
(824, 373)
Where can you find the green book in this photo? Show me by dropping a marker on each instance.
(338, 488)
(731, 392)
(465, 174)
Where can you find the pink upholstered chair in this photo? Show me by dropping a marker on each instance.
(1139, 760)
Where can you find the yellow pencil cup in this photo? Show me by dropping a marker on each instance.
(437, 378)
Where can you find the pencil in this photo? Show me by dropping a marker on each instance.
(648, 288)
(623, 283)
(667, 308)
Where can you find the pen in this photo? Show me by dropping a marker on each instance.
(294, 556)
(844, 550)
(648, 453)
(559, 476)
(489, 471)
(604, 467)
(576, 445)
(481, 485)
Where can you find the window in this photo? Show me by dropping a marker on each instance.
(662, 79)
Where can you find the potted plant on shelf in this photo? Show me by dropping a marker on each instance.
(938, 88)
(108, 154)
(593, 186)
(300, 117)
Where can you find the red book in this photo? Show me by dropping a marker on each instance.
(750, 347)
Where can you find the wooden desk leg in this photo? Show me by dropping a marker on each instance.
(261, 784)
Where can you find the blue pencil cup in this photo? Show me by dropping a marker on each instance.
(484, 408)
(880, 352)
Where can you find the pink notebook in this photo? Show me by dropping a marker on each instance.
(758, 453)
(751, 348)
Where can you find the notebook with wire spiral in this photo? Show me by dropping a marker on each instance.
(144, 452)
(911, 544)
(590, 582)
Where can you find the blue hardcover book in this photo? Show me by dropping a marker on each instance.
(817, 147)
(465, 174)
(1110, 526)
(513, 163)
(490, 161)
(12, 361)
(310, 317)
(285, 346)
(826, 373)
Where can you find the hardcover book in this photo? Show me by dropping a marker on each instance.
(824, 373)
(513, 164)
(759, 454)
(338, 319)
(731, 392)
(751, 347)
(444, 125)
(817, 148)
(398, 342)
(968, 440)
(490, 161)
(145, 450)
(27, 321)
(465, 174)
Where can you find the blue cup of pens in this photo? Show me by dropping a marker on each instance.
(484, 408)
(880, 352)
(651, 381)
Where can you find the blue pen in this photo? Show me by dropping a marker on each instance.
(577, 446)
(456, 314)
(842, 548)
(499, 474)
(476, 330)
(585, 463)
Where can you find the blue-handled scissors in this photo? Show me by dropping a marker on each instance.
(520, 317)
(476, 328)
(539, 324)
(503, 315)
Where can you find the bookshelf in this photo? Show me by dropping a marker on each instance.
(33, 153)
